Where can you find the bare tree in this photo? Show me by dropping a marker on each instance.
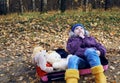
(84, 5)
(7, 5)
(33, 4)
(62, 5)
(107, 4)
(43, 5)
(3, 7)
(21, 6)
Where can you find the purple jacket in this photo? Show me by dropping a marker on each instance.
(77, 45)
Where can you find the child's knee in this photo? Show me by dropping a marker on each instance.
(89, 51)
(92, 57)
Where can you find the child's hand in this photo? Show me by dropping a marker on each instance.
(81, 35)
(98, 52)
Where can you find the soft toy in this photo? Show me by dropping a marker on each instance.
(57, 62)
(41, 58)
(38, 58)
(35, 51)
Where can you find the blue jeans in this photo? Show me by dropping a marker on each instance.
(91, 56)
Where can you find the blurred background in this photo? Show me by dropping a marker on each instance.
(20, 6)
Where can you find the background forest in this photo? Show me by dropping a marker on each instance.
(20, 6)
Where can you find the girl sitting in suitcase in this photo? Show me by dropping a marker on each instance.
(86, 51)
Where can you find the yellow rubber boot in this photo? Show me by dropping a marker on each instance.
(99, 75)
(72, 76)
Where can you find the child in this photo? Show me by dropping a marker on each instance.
(86, 51)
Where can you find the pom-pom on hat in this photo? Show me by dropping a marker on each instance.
(76, 25)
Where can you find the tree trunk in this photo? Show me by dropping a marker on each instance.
(7, 6)
(3, 7)
(107, 4)
(43, 5)
(21, 6)
(98, 4)
(63, 5)
(102, 4)
(93, 4)
(83, 4)
(33, 4)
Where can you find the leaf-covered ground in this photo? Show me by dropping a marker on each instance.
(19, 34)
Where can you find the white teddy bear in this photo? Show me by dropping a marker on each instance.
(57, 62)
(38, 58)
(41, 57)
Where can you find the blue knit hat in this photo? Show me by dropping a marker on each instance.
(76, 25)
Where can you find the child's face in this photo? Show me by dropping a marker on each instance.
(79, 31)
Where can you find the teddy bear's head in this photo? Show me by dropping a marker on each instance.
(37, 50)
